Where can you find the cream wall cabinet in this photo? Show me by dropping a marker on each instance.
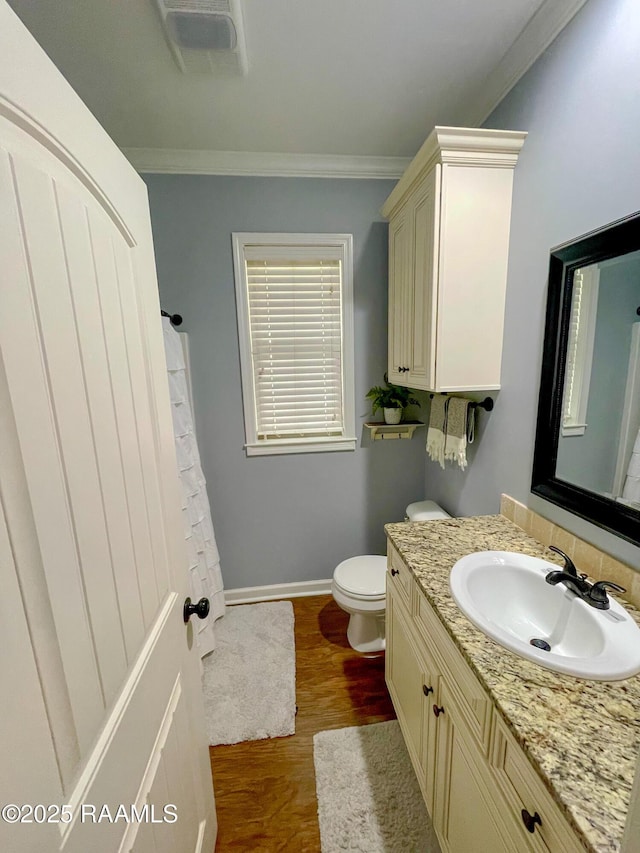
(449, 221)
(478, 785)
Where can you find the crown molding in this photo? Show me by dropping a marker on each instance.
(550, 19)
(547, 23)
(462, 146)
(175, 161)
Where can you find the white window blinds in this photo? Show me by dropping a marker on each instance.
(571, 392)
(582, 325)
(296, 346)
(295, 298)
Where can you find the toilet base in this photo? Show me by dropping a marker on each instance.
(365, 632)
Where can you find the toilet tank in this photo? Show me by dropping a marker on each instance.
(425, 511)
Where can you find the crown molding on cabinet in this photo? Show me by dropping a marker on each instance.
(463, 146)
(548, 22)
(191, 162)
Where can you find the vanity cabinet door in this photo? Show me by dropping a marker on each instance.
(411, 682)
(464, 815)
(533, 818)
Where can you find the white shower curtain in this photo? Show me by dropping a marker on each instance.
(204, 561)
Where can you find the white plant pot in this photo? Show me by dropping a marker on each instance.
(392, 416)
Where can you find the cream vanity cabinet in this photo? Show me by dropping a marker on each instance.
(479, 787)
(449, 221)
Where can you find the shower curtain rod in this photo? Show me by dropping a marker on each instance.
(175, 319)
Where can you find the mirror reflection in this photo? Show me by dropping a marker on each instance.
(599, 439)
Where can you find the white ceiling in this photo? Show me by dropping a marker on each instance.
(346, 77)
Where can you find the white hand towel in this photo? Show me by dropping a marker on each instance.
(458, 412)
(437, 428)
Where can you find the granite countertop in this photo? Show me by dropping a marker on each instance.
(582, 736)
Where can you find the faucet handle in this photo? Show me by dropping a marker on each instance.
(569, 566)
(598, 592)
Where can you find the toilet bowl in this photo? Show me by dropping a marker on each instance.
(359, 587)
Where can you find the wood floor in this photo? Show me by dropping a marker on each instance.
(265, 790)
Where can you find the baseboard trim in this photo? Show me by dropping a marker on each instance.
(272, 592)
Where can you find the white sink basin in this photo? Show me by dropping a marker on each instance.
(506, 596)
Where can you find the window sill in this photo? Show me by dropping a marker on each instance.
(301, 445)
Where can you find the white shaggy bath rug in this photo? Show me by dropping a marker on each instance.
(249, 679)
(368, 795)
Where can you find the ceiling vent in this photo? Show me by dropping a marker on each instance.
(205, 35)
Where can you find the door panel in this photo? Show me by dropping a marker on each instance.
(123, 393)
(109, 701)
(51, 303)
(101, 392)
(32, 410)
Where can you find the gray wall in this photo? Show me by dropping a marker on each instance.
(578, 170)
(290, 518)
(590, 459)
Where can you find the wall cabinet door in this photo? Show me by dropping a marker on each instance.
(422, 287)
(449, 219)
(400, 251)
(464, 813)
(413, 258)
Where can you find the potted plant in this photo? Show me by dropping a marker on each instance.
(391, 399)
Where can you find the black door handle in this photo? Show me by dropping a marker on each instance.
(201, 609)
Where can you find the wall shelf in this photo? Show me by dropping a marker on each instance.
(380, 430)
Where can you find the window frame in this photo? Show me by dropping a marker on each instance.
(343, 243)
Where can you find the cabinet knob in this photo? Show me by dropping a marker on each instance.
(530, 821)
(437, 711)
(426, 690)
(395, 571)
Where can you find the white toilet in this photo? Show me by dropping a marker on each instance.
(359, 585)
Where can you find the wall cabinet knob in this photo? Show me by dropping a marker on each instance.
(426, 690)
(530, 821)
(437, 711)
(395, 571)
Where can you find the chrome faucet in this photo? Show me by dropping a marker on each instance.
(594, 594)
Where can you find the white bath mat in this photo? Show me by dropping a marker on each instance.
(368, 795)
(249, 679)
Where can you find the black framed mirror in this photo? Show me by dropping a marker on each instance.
(587, 448)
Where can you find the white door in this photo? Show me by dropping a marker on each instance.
(99, 677)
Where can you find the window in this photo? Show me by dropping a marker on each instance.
(294, 298)
(582, 327)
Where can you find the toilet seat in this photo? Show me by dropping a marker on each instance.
(364, 577)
